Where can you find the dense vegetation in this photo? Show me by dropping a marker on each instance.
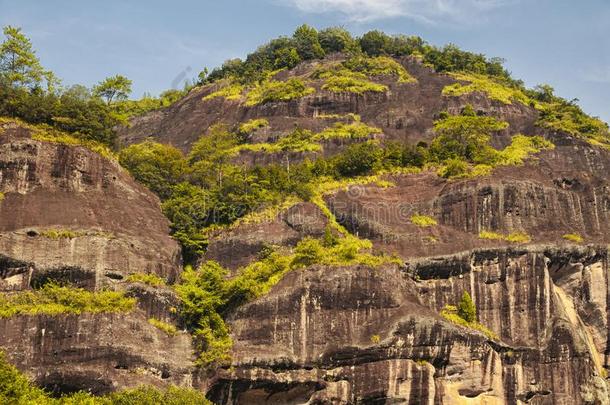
(53, 299)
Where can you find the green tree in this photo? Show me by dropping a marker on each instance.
(466, 137)
(307, 43)
(466, 309)
(159, 167)
(337, 39)
(375, 43)
(359, 159)
(19, 66)
(113, 88)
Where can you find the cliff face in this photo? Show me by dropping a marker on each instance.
(115, 225)
(73, 216)
(329, 334)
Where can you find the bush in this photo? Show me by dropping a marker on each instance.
(60, 234)
(573, 237)
(423, 221)
(491, 235)
(340, 130)
(466, 309)
(146, 278)
(272, 90)
(502, 92)
(52, 299)
(168, 328)
(359, 159)
(159, 167)
(378, 66)
(518, 237)
(346, 81)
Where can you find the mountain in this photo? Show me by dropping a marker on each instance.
(356, 227)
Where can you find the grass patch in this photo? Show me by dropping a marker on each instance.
(521, 148)
(168, 328)
(346, 81)
(491, 235)
(149, 279)
(450, 313)
(568, 117)
(423, 221)
(1, 196)
(54, 300)
(379, 66)
(253, 125)
(514, 237)
(272, 90)
(354, 130)
(61, 234)
(573, 237)
(230, 91)
(481, 83)
(518, 237)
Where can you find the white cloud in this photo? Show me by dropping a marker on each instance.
(430, 11)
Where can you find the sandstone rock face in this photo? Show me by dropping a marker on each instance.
(405, 112)
(363, 335)
(116, 225)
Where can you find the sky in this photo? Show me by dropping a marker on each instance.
(157, 44)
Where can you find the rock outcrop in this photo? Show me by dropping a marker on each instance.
(70, 213)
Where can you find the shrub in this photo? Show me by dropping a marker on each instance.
(454, 168)
(168, 328)
(253, 125)
(231, 91)
(503, 92)
(518, 237)
(159, 167)
(377, 66)
(53, 299)
(375, 339)
(573, 237)
(60, 234)
(308, 251)
(491, 235)
(272, 90)
(346, 81)
(449, 312)
(423, 221)
(146, 278)
(359, 159)
(466, 309)
(521, 147)
(1, 196)
(340, 130)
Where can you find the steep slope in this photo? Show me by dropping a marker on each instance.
(528, 240)
(71, 216)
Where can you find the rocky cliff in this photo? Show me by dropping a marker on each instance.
(370, 332)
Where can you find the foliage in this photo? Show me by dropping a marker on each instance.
(346, 81)
(504, 92)
(377, 66)
(337, 39)
(518, 237)
(491, 235)
(465, 137)
(231, 91)
(520, 148)
(60, 234)
(568, 117)
(113, 88)
(146, 278)
(354, 130)
(423, 221)
(359, 159)
(375, 339)
(514, 237)
(168, 328)
(2, 195)
(573, 237)
(160, 167)
(466, 309)
(19, 66)
(52, 299)
(252, 126)
(307, 43)
(449, 312)
(273, 90)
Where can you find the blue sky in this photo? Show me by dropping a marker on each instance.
(158, 43)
